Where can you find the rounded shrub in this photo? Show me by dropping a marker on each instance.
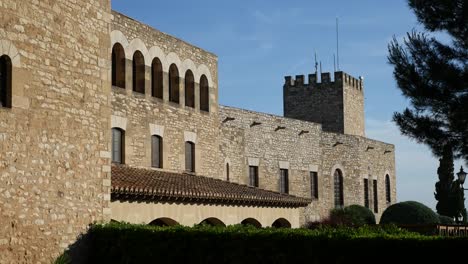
(446, 220)
(354, 215)
(409, 213)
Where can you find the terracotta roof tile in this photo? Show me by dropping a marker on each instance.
(130, 183)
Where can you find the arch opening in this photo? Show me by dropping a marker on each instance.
(138, 72)
(164, 221)
(338, 188)
(204, 94)
(281, 223)
(5, 81)
(156, 79)
(212, 221)
(173, 84)
(189, 89)
(118, 66)
(252, 222)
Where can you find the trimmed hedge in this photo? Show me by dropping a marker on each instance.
(354, 215)
(125, 243)
(446, 220)
(409, 213)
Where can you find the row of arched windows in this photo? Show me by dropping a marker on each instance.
(339, 196)
(118, 150)
(138, 76)
(212, 221)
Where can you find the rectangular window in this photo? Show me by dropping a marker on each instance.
(366, 193)
(284, 181)
(189, 156)
(376, 200)
(253, 176)
(156, 152)
(117, 146)
(314, 185)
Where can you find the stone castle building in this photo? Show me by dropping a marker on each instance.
(104, 118)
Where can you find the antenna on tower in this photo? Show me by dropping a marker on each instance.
(334, 62)
(320, 67)
(316, 64)
(337, 46)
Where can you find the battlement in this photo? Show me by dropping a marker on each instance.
(341, 78)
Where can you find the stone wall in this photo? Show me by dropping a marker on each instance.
(338, 105)
(54, 141)
(144, 115)
(303, 147)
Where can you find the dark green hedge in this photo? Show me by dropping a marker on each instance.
(124, 243)
(409, 213)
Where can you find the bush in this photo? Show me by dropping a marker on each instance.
(446, 220)
(409, 213)
(359, 215)
(125, 243)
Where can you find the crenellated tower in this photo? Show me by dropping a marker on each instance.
(338, 105)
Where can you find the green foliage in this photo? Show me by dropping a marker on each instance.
(446, 220)
(409, 213)
(63, 259)
(125, 243)
(359, 215)
(432, 74)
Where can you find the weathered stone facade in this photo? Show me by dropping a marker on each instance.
(338, 105)
(55, 140)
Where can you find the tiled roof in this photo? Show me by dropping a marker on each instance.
(130, 183)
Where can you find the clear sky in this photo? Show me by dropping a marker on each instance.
(258, 42)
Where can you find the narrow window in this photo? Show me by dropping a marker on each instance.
(366, 193)
(118, 138)
(204, 94)
(314, 185)
(284, 181)
(376, 201)
(227, 171)
(173, 84)
(118, 66)
(156, 79)
(387, 189)
(5, 81)
(338, 189)
(189, 156)
(138, 72)
(253, 176)
(156, 151)
(189, 89)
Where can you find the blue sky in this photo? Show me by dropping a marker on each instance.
(258, 42)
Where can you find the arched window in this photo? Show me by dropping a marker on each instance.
(164, 221)
(156, 79)
(5, 81)
(190, 156)
(204, 94)
(138, 72)
(118, 66)
(227, 171)
(252, 222)
(189, 89)
(338, 189)
(173, 84)
(281, 223)
(118, 145)
(156, 151)
(388, 195)
(212, 221)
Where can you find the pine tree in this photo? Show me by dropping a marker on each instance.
(433, 75)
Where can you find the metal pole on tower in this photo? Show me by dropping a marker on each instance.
(337, 46)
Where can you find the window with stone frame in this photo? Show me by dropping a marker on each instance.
(284, 181)
(253, 176)
(156, 151)
(5, 81)
(138, 72)
(227, 171)
(189, 89)
(338, 189)
(118, 145)
(388, 195)
(204, 94)
(314, 192)
(118, 66)
(376, 200)
(174, 84)
(189, 156)
(366, 193)
(157, 79)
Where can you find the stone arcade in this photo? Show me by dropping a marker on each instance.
(104, 118)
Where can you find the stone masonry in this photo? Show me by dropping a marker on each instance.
(55, 140)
